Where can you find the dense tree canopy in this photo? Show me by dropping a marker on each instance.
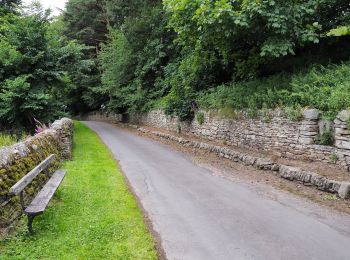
(37, 69)
(132, 56)
(9, 5)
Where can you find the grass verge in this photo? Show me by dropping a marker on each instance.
(93, 214)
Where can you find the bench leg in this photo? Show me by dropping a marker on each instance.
(30, 224)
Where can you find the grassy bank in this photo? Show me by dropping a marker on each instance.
(93, 215)
(325, 88)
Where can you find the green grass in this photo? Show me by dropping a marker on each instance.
(6, 140)
(93, 215)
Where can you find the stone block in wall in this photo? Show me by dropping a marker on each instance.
(248, 160)
(340, 124)
(342, 134)
(309, 128)
(265, 164)
(344, 190)
(342, 144)
(311, 114)
(343, 115)
(306, 140)
(321, 182)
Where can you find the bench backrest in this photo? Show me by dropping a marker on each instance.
(26, 180)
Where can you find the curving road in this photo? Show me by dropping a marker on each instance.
(202, 216)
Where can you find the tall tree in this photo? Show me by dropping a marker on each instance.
(88, 22)
(7, 6)
(35, 70)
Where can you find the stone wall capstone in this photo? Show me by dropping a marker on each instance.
(19, 159)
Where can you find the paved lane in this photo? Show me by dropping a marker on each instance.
(202, 216)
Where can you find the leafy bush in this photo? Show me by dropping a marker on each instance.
(252, 112)
(334, 158)
(326, 138)
(200, 118)
(229, 113)
(266, 116)
(6, 140)
(293, 114)
(325, 88)
(181, 109)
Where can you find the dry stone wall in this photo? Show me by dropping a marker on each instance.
(101, 116)
(274, 133)
(19, 159)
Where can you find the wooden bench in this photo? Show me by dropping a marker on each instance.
(42, 199)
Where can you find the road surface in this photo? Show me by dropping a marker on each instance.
(202, 216)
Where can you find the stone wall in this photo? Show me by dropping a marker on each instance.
(274, 133)
(101, 116)
(19, 159)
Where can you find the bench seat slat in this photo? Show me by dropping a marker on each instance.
(40, 202)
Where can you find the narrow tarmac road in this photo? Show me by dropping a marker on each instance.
(202, 216)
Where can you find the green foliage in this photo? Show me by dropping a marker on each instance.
(89, 217)
(9, 138)
(229, 113)
(325, 88)
(132, 60)
(266, 115)
(339, 31)
(200, 118)
(116, 59)
(175, 105)
(94, 23)
(9, 5)
(334, 158)
(331, 197)
(294, 113)
(260, 30)
(252, 112)
(6, 139)
(88, 21)
(166, 53)
(326, 138)
(37, 69)
(137, 55)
